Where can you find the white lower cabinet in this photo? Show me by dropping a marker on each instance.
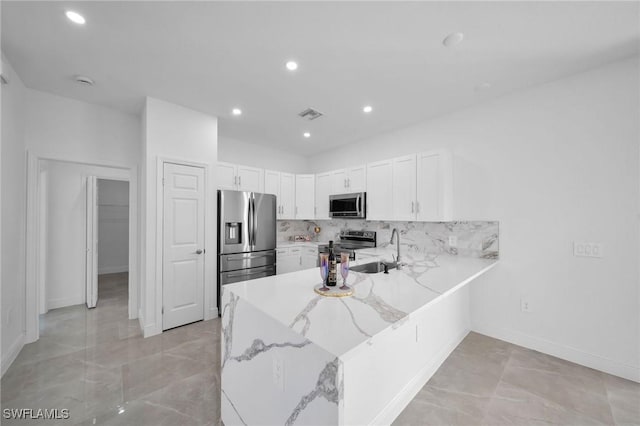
(287, 260)
(291, 259)
(309, 258)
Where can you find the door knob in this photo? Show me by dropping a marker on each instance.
(199, 251)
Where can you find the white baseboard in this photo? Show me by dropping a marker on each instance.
(148, 330)
(12, 353)
(565, 352)
(213, 314)
(113, 269)
(64, 301)
(406, 395)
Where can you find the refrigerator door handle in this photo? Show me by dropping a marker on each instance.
(250, 221)
(253, 220)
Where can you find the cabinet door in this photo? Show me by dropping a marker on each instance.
(357, 179)
(339, 182)
(305, 197)
(404, 188)
(272, 183)
(227, 176)
(287, 196)
(323, 189)
(309, 258)
(250, 179)
(434, 184)
(380, 190)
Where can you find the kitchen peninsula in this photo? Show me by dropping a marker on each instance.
(291, 356)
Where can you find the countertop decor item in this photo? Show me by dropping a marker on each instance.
(333, 292)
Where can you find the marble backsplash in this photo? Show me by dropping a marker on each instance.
(474, 238)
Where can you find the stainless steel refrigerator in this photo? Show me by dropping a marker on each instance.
(246, 236)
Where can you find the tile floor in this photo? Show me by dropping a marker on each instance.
(96, 364)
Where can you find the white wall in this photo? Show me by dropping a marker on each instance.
(258, 155)
(113, 226)
(65, 225)
(74, 131)
(172, 132)
(13, 216)
(554, 164)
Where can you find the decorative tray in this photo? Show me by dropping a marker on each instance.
(333, 291)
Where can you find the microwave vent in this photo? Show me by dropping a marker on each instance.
(310, 114)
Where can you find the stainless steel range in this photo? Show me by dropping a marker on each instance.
(349, 242)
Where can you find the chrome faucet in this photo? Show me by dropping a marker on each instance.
(397, 235)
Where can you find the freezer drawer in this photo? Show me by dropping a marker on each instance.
(247, 274)
(236, 261)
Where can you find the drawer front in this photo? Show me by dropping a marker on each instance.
(233, 262)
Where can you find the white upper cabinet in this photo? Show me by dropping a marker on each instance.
(404, 188)
(250, 179)
(357, 179)
(240, 178)
(353, 179)
(323, 190)
(287, 195)
(227, 176)
(283, 186)
(380, 190)
(434, 192)
(272, 183)
(339, 182)
(305, 197)
(416, 187)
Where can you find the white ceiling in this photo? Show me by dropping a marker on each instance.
(213, 56)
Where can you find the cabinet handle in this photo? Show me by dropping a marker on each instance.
(417, 207)
(348, 182)
(239, 180)
(235, 180)
(296, 210)
(412, 207)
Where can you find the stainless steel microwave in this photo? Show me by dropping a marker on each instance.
(348, 206)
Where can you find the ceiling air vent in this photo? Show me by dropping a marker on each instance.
(310, 114)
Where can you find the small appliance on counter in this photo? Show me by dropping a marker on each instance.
(348, 206)
(350, 241)
(246, 237)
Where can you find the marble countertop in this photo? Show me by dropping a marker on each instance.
(380, 301)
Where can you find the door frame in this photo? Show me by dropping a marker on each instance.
(210, 253)
(35, 242)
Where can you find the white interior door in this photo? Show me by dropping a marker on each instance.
(91, 263)
(183, 245)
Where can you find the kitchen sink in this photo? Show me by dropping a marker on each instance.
(373, 267)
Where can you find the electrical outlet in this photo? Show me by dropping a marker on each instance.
(453, 241)
(278, 373)
(525, 305)
(585, 249)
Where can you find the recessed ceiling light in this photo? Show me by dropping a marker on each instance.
(306, 134)
(292, 65)
(84, 80)
(75, 17)
(453, 39)
(367, 108)
(236, 111)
